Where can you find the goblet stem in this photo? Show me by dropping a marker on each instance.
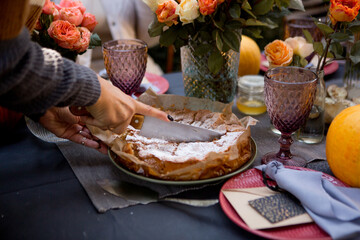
(284, 155)
(285, 141)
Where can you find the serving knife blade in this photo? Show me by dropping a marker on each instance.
(151, 127)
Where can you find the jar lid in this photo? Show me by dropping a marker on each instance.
(251, 83)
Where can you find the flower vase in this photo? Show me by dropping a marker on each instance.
(200, 82)
(352, 73)
(312, 131)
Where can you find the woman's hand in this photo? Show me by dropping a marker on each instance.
(64, 124)
(114, 109)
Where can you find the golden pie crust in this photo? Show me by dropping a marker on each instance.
(157, 158)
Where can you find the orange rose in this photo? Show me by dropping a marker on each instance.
(72, 15)
(64, 33)
(89, 21)
(207, 7)
(83, 43)
(166, 12)
(344, 10)
(278, 53)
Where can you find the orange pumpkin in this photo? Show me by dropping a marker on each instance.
(343, 146)
(250, 57)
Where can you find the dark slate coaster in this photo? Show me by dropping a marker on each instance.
(278, 207)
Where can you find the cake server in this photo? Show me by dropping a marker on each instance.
(151, 127)
(145, 195)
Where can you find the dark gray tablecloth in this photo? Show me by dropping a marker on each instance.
(41, 198)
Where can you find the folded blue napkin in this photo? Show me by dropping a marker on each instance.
(335, 209)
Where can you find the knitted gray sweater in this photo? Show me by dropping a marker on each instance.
(33, 79)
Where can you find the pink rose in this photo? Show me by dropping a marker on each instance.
(207, 7)
(89, 21)
(49, 7)
(71, 3)
(83, 43)
(56, 15)
(166, 12)
(72, 15)
(64, 33)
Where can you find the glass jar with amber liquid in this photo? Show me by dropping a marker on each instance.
(250, 95)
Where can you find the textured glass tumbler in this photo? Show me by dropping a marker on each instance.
(125, 63)
(295, 26)
(289, 96)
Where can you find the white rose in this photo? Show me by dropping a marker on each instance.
(300, 46)
(153, 4)
(188, 11)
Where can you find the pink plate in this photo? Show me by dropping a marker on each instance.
(157, 83)
(328, 69)
(253, 178)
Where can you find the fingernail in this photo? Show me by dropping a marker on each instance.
(170, 118)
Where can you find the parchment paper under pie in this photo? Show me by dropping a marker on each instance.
(161, 159)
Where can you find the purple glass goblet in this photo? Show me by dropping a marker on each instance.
(125, 63)
(289, 96)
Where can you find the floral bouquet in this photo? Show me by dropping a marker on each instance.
(215, 24)
(291, 52)
(341, 26)
(66, 28)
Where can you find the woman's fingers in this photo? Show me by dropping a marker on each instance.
(147, 110)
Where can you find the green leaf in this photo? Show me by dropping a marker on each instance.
(247, 8)
(205, 36)
(46, 20)
(325, 29)
(354, 27)
(231, 39)
(254, 22)
(246, 5)
(225, 47)
(318, 48)
(202, 49)
(155, 28)
(355, 53)
(329, 55)
(297, 5)
(215, 61)
(219, 25)
(253, 32)
(282, 3)
(234, 25)
(168, 37)
(219, 41)
(303, 62)
(308, 36)
(339, 37)
(183, 33)
(201, 18)
(94, 41)
(235, 11)
(269, 23)
(263, 7)
(337, 49)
